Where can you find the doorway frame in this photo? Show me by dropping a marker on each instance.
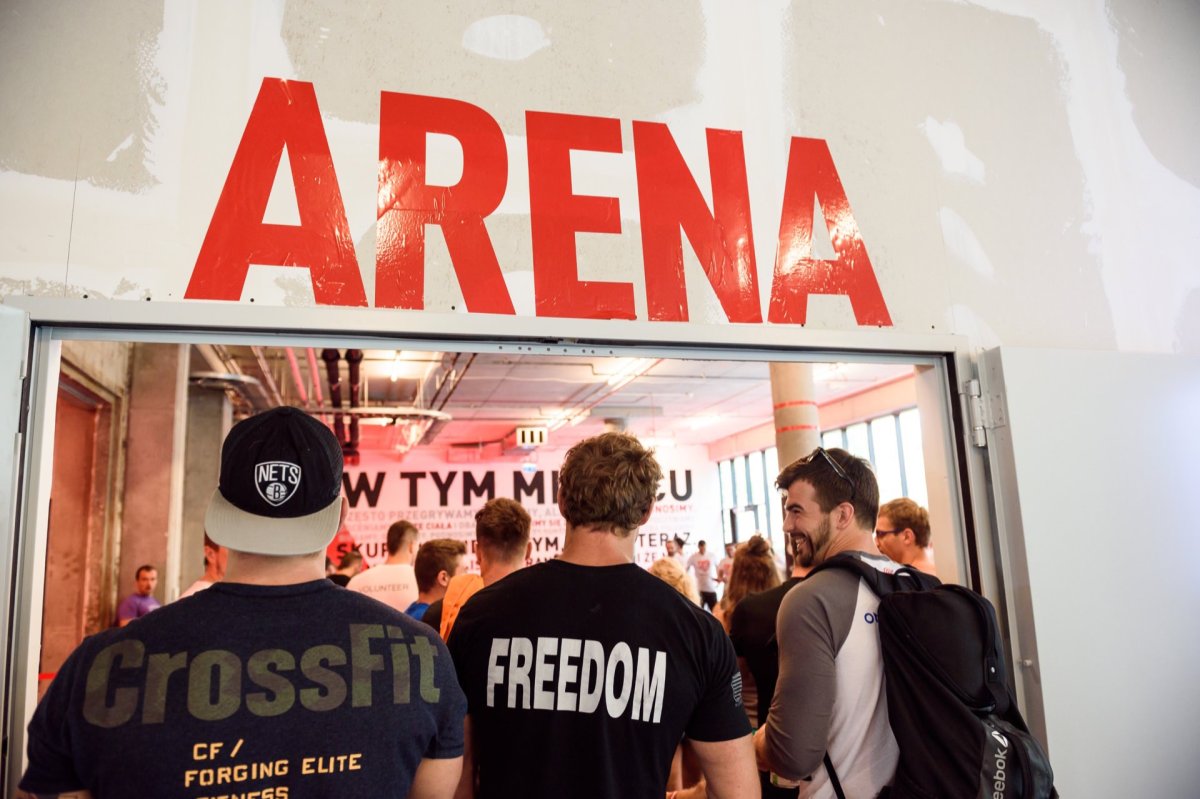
(53, 320)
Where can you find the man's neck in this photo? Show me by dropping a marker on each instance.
(495, 572)
(852, 539)
(271, 570)
(399, 559)
(800, 571)
(587, 546)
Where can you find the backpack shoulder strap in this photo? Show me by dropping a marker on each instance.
(881, 583)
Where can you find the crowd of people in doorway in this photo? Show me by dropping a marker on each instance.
(581, 676)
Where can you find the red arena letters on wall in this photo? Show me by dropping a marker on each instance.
(670, 201)
(285, 115)
(407, 203)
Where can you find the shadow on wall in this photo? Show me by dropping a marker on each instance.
(1188, 337)
(1157, 51)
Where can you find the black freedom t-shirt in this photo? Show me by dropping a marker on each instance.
(250, 692)
(581, 681)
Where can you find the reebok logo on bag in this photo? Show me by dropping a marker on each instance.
(950, 705)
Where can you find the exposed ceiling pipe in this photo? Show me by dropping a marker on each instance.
(332, 368)
(219, 359)
(301, 392)
(354, 360)
(453, 378)
(313, 372)
(272, 388)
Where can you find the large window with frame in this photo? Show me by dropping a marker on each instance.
(749, 501)
(891, 443)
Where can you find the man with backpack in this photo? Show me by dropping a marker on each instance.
(830, 694)
(890, 683)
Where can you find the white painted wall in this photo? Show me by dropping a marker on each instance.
(1019, 170)
(1106, 493)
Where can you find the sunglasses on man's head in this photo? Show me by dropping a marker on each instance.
(821, 453)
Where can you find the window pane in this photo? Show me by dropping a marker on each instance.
(914, 457)
(774, 514)
(857, 442)
(726, 496)
(741, 497)
(887, 458)
(832, 439)
(757, 481)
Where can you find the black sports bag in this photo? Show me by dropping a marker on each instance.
(950, 705)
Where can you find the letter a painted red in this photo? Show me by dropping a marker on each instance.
(285, 114)
(812, 175)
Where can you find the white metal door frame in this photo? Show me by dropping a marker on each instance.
(55, 319)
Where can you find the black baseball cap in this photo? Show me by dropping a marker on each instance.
(280, 487)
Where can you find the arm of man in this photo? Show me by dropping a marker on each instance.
(728, 768)
(810, 631)
(436, 778)
(466, 783)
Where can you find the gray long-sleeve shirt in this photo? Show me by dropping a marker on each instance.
(830, 694)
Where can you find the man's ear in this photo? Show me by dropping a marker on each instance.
(909, 536)
(845, 515)
(443, 578)
(529, 551)
(646, 516)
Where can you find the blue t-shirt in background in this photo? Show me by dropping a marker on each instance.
(417, 610)
(289, 691)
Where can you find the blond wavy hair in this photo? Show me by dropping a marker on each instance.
(670, 572)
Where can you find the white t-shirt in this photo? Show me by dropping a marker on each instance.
(393, 584)
(702, 565)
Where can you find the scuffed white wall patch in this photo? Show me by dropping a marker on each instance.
(505, 37)
(963, 244)
(947, 140)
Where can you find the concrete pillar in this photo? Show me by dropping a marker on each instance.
(209, 418)
(797, 425)
(153, 499)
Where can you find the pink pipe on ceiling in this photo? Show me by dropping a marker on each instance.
(301, 392)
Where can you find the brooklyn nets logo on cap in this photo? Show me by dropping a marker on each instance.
(276, 481)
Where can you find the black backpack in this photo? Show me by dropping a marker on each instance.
(949, 702)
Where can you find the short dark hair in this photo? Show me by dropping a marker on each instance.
(701, 543)
(904, 513)
(350, 558)
(434, 557)
(398, 534)
(502, 528)
(144, 568)
(609, 481)
(831, 488)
